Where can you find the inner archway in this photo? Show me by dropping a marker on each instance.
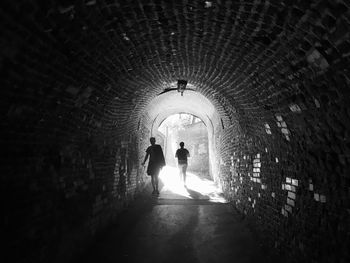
(199, 185)
(194, 103)
(190, 129)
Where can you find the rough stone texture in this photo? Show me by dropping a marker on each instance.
(76, 76)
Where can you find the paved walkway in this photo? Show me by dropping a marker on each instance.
(186, 225)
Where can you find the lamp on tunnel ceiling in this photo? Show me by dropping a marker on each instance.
(181, 86)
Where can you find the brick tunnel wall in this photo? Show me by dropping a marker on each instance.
(76, 75)
(296, 191)
(71, 166)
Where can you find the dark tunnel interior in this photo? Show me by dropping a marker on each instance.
(86, 83)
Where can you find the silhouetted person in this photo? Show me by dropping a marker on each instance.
(155, 164)
(181, 155)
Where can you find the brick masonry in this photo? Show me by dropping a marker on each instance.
(76, 76)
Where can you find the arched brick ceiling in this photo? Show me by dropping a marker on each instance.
(191, 102)
(77, 75)
(249, 58)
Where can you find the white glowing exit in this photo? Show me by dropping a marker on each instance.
(195, 188)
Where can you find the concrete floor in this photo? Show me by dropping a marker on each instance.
(178, 228)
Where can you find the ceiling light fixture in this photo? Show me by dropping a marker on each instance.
(181, 86)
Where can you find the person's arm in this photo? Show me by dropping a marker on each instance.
(188, 154)
(163, 158)
(146, 157)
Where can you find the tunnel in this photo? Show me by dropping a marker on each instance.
(86, 83)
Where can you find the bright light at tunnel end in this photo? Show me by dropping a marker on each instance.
(196, 188)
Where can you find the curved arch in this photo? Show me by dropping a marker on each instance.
(192, 103)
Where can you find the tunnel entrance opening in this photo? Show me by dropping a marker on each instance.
(190, 129)
(199, 107)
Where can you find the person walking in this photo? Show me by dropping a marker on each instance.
(182, 154)
(155, 164)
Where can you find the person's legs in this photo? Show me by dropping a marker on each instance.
(153, 183)
(156, 181)
(180, 172)
(184, 168)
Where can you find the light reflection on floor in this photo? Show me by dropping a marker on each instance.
(196, 187)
